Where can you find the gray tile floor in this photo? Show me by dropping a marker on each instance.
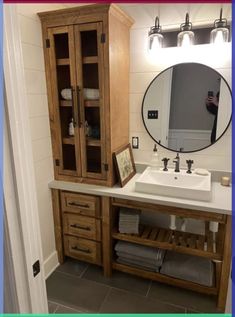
(76, 287)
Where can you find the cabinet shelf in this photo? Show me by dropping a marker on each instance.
(167, 239)
(165, 279)
(69, 140)
(66, 103)
(93, 142)
(62, 61)
(90, 60)
(91, 103)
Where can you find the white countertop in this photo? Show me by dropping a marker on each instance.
(221, 198)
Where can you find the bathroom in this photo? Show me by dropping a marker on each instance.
(33, 110)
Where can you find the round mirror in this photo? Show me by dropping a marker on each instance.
(187, 107)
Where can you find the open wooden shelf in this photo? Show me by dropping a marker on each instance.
(93, 142)
(91, 103)
(167, 239)
(69, 140)
(62, 61)
(90, 60)
(66, 103)
(155, 276)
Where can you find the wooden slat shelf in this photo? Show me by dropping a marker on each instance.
(62, 61)
(68, 140)
(92, 103)
(90, 60)
(66, 103)
(155, 276)
(167, 239)
(93, 142)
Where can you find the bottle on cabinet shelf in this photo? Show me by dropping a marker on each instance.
(71, 127)
(88, 130)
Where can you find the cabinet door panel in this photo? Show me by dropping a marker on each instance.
(63, 88)
(90, 82)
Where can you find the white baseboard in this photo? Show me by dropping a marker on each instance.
(50, 264)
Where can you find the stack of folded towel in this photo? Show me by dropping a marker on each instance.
(140, 256)
(129, 220)
(188, 267)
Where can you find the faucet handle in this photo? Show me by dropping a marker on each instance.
(165, 161)
(189, 163)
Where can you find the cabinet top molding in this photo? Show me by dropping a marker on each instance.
(86, 10)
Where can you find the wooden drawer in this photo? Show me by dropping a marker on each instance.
(85, 227)
(80, 204)
(82, 249)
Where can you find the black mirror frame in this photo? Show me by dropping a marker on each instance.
(232, 104)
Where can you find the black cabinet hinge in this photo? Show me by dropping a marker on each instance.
(106, 167)
(48, 44)
(36, 268)
(57, 162)
(103, 38)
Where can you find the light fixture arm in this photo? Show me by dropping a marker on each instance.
(221, 12)
(221, 22)
(156, 28)
(186, 26)
(157, 22)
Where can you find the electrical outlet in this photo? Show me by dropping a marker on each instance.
(152, 114)
(135, 142)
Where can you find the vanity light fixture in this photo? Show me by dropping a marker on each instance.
(155, 36)
(220, 33)
(186, 36)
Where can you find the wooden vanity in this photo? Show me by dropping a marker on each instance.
(86, 229)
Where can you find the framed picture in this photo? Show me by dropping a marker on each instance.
(125, 164)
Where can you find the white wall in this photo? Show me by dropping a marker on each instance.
(31, 38)
(143, 69)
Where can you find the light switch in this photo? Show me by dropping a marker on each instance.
(152, 114)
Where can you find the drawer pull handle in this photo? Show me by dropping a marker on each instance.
(77, 226)
(81, 249)
(78, 204)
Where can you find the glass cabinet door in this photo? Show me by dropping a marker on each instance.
(90, 88)
(66, 134)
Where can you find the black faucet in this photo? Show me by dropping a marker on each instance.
(189, 163)
(165, 161)
(177, 163)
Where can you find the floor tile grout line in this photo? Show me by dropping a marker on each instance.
(78, 308)
(106, 296)
(55, 309)
(149, 298)
(68, 274)
(72, 308)
(84, 271)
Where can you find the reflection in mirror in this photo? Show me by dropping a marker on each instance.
(187, 107)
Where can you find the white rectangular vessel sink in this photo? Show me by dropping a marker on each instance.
(173, 184)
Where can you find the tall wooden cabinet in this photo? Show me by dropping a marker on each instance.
(86, 53)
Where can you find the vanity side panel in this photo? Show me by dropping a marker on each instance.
(58, 224)
(119, 46)
(225, 270)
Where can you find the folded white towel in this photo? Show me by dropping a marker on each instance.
(143, 251)
(127, 262)
(140, 259)
(66, 93)
(91, 94)
(188, 267)
(129, 220)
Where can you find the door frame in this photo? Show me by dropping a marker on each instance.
(21, 164)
